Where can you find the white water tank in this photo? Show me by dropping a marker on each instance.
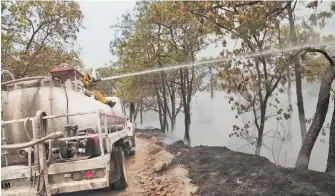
(24, 99)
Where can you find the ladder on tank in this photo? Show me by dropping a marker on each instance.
(3, 142)
(3, 138)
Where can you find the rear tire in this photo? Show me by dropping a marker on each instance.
(121, 183)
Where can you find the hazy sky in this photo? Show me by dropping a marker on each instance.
(99, 15)
(95, 39)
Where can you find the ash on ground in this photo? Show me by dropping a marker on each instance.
(220, 171)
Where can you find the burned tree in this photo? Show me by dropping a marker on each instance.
(320, 114)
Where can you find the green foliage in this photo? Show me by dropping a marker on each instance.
(259, 26)
(107, 88)
(38, 35)
(153, 36)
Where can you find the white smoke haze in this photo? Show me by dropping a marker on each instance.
(212, 121)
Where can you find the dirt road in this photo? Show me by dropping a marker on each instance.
(148, 174)
(135, 165)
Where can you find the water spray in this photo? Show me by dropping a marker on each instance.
(252, 55)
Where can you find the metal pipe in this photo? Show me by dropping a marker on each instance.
(29, 162)
(54, 135)
(65, 115)
(50, 152)
(15, 121)
(24, 79)
(78, 137)
(100, 134)
(45, 117)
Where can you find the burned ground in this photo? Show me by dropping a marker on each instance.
(220, 171)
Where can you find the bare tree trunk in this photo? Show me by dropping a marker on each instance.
(173, 106)
(164, 106)
(263, 104)
(166, 128)
(318, 120)
(173, 123)
(289, 97)
(260, 130)
(331, 153)
(164, 96)
(297, 69)
(160, 118)
(160, 110)
(141, 114)
(186, 105)
(135, 113)
(131, 115)
(211, 82)
(187, 125)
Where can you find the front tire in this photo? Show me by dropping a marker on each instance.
(121, 183)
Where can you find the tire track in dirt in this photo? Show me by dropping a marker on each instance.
(135, 165)
(150, 172)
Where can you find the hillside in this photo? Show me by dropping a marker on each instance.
(220, 171)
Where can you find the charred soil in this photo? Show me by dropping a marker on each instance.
(220, 171)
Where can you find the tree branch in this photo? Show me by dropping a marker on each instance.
(324, 53)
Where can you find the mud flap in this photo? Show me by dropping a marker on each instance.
(114, 173)
(121, 183)
(128, 144)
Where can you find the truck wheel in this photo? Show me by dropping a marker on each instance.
(121, 183)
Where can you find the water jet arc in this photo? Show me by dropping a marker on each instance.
(251, 55)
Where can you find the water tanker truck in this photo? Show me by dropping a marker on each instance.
(57, 139)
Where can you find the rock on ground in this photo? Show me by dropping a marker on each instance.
(150, 171)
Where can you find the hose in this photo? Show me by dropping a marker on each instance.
(26, 129)
(63, 159)
(54, 135)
